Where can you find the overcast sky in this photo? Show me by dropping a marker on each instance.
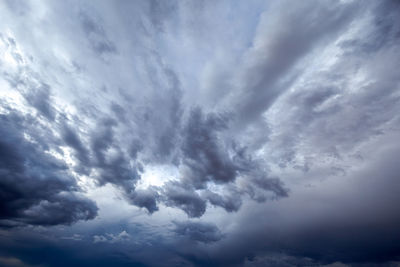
(199, 133)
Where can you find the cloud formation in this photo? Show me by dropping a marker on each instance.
(208, 133)
(201, 232)
(36, 188)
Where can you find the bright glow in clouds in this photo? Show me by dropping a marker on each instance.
(157, 176)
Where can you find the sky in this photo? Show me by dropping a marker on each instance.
(199, 133)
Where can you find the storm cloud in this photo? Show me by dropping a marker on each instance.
(228, 133)
(36, 187)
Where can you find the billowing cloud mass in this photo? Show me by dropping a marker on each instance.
(36, 187)
(207, 133)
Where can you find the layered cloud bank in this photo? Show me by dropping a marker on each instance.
(260, 133)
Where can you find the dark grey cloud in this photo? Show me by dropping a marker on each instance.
(230, 202)
(145, 199)
(198, 231)
(211, 157)
(18, 7)
(361, 227)
(119, 112)
(160, 127)
(96, 35)
(114, 168)
(160, 12)
(36, 188)
(39, 98)
(202, 151)
(117, 246)
(72, 139)
(118, 167)
(177, 195)
(206, 158)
